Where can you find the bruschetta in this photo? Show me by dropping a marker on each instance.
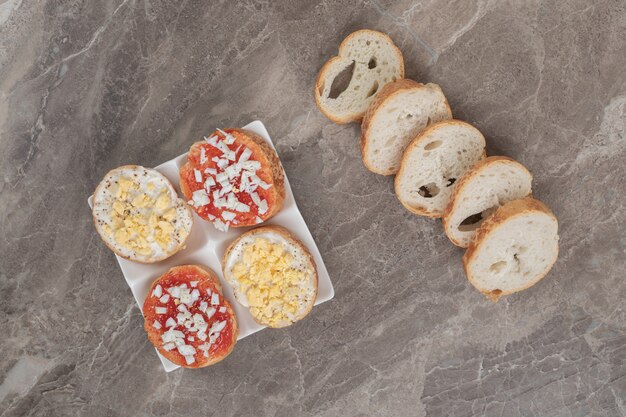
(188, 319)
(233, 178)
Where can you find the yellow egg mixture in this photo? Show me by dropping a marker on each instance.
(135, 223)
(270, 282)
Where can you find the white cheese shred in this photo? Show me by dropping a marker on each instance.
(197, 174)
(158, 290)
(200, 198)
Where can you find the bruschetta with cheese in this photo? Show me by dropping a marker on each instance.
(188, 319)
(233, 178)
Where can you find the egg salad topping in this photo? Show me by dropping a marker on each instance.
(274, 287)
(140, 218)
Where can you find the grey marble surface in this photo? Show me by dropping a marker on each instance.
(88, 86)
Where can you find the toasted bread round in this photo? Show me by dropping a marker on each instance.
(513, 249)
(432, 164)
(139, 216)
(370, 59)
(489, 184)
(188, 319)
(398, 113)
(233, 178)
(273, 274)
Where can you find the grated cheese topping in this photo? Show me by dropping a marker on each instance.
(230, 176)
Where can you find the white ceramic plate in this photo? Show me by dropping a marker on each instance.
(206, 245)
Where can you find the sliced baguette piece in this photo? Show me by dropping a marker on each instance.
(490, 183)
(273, 274)
(433, 163)
(399, 113)
(215, 329)
(347, 83)
(513, 249)
(206, 169)
(139, 215)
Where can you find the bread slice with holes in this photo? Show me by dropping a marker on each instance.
(513, 249)
(490, 183)
(273, 274)
(432, 164)
(398, 114)
(347, 83)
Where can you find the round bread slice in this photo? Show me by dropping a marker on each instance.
(273, 274)
(490, 183)
(233, 178)
(188, 319)
(433, 163)
(398, 114)
(139, 216)
(513, 249)
(347, 83)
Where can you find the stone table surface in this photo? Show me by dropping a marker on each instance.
(86, 86)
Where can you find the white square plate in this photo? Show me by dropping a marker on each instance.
(206, 245)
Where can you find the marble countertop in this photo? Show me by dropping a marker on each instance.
(86, 86)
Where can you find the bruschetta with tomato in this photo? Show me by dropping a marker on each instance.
(188, 319)
(233, 178)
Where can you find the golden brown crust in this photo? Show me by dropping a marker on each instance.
(506, 212)
(153, 334)
(254, 142)
(167, 255)
(321, 76)
(422, 136)
(184, 188)
(319, 84)
(465, 179)
(278, 174)
(290, 238)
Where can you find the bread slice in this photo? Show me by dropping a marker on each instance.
(513, 249)
(489, 184)
(188, 319)
(251, 193)
(139, 215)
(273, 274)
(400, 111)
(433, 163)
(347, 83)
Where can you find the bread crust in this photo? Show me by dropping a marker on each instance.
(506, 212)
(152, 260)
(205, 274)
(321, 76)
(421, 137)
(319, 82)
(388, 92)
(453, 204)
(255, 142)
(290, 238)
